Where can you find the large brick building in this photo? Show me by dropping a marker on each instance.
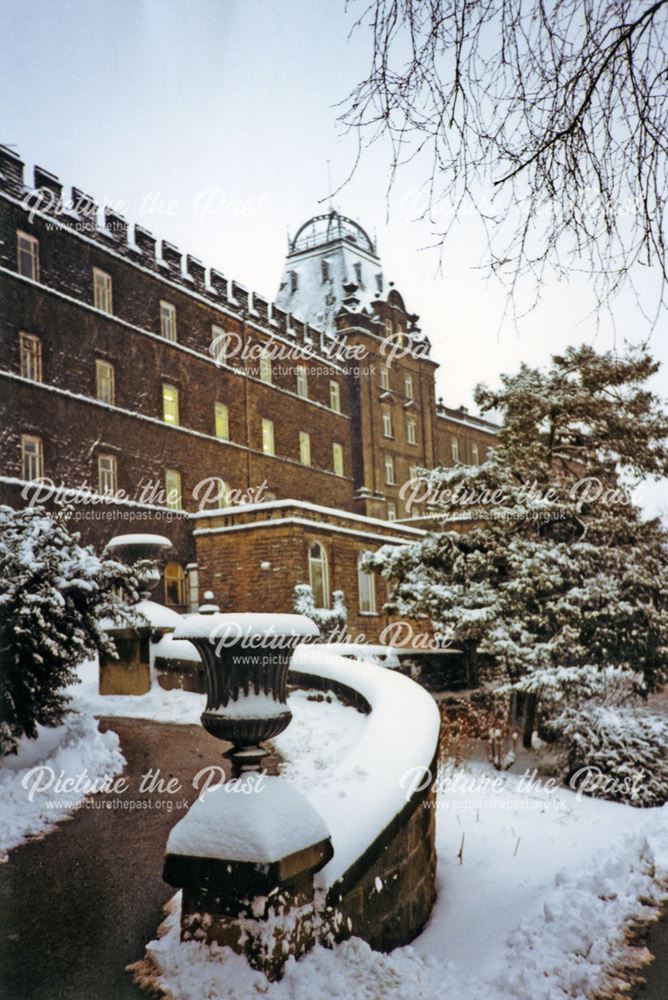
(269, 441)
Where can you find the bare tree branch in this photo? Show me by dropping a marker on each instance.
(548, 120)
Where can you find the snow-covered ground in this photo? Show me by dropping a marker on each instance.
(535, 911)
(33, 797)
(162, 706)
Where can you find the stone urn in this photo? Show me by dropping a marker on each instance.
(133, 548)
(129, 672)
(246, 659)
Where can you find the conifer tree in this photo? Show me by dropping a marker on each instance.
(557, 567)
(54, 592)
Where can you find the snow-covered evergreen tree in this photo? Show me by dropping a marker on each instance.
(331, 621)
(558, 567)
(53, 594)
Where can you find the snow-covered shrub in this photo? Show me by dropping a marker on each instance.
(53, 593)
(331, 621)
(618, 753)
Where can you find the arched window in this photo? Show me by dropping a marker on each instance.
(175, 585)
(318, 574)
(366, 585)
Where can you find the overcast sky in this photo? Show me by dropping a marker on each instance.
(211, 122)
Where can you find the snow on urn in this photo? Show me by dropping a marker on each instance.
(246, 659)
(137, 547)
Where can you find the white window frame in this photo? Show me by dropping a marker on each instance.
(302, 381)
(454, 449)
(409, 390)
(391, 510)
(266, 368)
(103, 291)
(173, 491)
(305, 448)
(105, 381)
(366, 588)
(107, 475)
(192, 584)
(268, 439)
(218, 344)
(384, 374)
(27, 250)
(334, 396)
(411, 430)
(168, 321)
(171, 401)
(475, 454)
(319, 563)
(30, 356)
(221, 415)
(337, 458)
(32, 457)
(388, 429)
(390, 472)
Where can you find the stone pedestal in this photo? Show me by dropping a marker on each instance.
(131, 672)
(243, 883)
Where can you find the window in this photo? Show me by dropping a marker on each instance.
(337, 459)
(222, 416)
(217, 348)
(358, 273)
(193, 587)
(384, 377)
(389, 470)
(102, 290)
(302, 381)
(366, 585)
(268, 436)
(170, 404)
(294, 281)
(387, 422)
(318, 575)
(168, 321)
(454, 448)
(475, 454)
(412, 472)
(304, 448)
(224, 492)
(408, 386)
(379, 282)
(30, 350)
(335, 396)
(391, 511)
(411, 430)
(104, 382)
(27, 255)
(173, 498)
(175, 585)
(32, 457)
(388, 328)
(266, 373)
(324, 266)
(106, 474)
